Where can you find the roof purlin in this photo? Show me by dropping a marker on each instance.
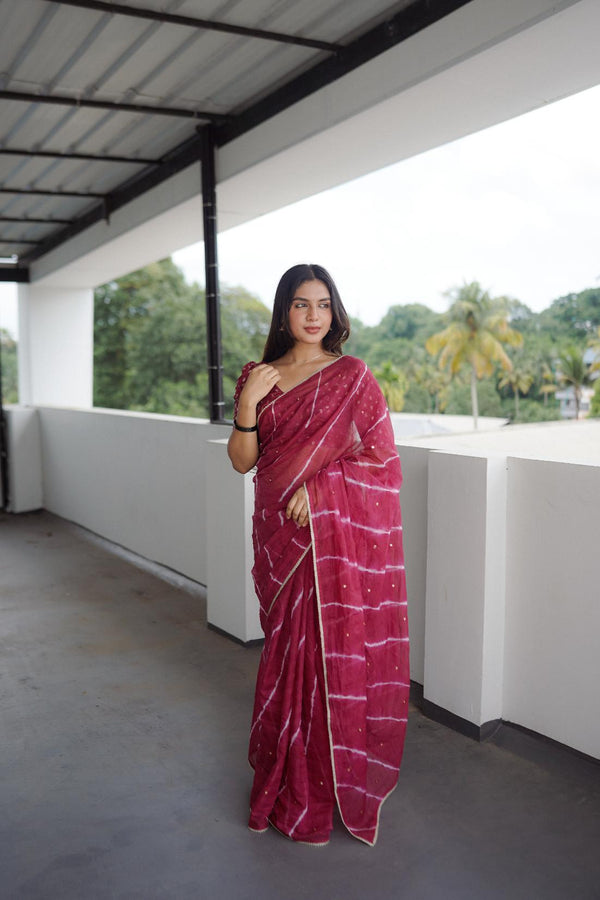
(377, 40)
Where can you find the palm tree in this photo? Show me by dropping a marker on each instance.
(520, 380)
(434, 381)
(547, 386)
(393, 384)
(594, 343)
(477, 328)
(574, 371)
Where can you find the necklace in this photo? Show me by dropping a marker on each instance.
(310, 359)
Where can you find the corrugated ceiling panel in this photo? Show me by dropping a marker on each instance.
(153, 137)
(126, 63)
(62, 50)
(67, 29)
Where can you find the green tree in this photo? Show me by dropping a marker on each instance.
(411, 321)
(8, 355)
(547, 386)
(150, 341)
(393, 384)
(574, 316)
(477, 328)
(459, 398)
(574, 371)
(519, 380)
(594, 345)
(595, 404)
(435, 382)
(120, 308)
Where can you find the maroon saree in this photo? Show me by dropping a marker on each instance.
(332, 689)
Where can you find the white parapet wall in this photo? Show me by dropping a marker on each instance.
(552, 667)
(501, 549)
(136, 479)
(24, 459)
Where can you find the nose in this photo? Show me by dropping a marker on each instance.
(313, 314)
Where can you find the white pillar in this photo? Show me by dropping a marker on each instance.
(24, 460)
(232, 605)
(56, 346)
(465, 601)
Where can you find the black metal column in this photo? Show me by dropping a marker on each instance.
(211, 268)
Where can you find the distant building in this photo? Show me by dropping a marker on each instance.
(567, 402)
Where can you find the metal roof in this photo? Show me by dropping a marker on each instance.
(101, 101)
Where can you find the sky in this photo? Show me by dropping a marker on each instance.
(515, 207)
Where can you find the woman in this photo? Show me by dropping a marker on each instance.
(332, 688)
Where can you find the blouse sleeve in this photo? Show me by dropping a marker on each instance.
(240, 384)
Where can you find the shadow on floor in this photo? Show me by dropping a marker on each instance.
(123, 768)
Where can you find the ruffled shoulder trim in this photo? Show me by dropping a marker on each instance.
(240, 384)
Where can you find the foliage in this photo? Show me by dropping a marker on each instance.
(8, 351)
(150, 348)
(575, 372)
(532, 411)
(150, 341)
(476, 330)
(594, 345)
(433, 383)
(575, 316)
(595, 404)
(393, 384)
(459, 399)
(519, 379)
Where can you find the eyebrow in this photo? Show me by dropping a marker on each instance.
(306, 300)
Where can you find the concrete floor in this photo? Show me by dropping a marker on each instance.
(123, 774)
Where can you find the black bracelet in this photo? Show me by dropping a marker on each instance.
(242, 428)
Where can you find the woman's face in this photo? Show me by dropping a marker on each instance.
(310, 315)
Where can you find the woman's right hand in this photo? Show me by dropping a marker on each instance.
(260, 381)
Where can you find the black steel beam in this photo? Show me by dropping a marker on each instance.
(155, 15)
(84, 157)
(38, 192)
(394, 30)
(211, 272)
(143, 108)
(17, 241)
(384, 36)
(185, 155)
(20, 274)
(29, 220)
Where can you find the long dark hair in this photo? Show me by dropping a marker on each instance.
(280, 338)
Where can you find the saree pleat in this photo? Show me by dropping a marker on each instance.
(332, 690)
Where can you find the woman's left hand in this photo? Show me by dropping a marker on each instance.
(297, 508)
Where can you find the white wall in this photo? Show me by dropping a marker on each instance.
(463, 662)
(552, 681)
(232, 605)
(501, 554)
(503, 584)
(413, 499)
(24, 459)
(136, 479)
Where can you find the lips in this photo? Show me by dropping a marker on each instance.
(313, 329)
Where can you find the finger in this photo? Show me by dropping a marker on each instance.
(294, 508)
(301, 514)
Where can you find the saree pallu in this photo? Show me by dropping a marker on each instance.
(331, 699)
